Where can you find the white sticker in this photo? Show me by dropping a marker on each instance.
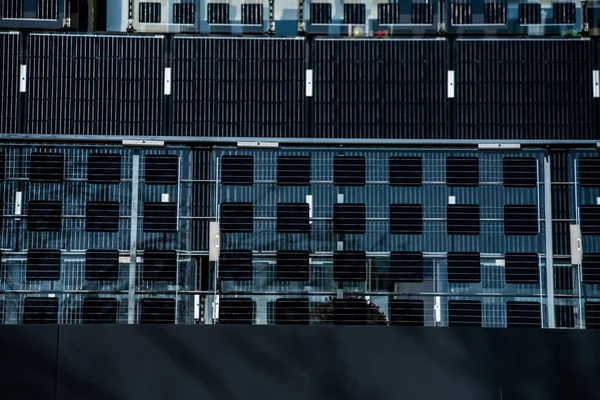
(451, 199)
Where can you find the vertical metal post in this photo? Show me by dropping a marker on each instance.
(135, 184)
(549, 255)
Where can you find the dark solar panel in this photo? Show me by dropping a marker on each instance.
(589, 172)
(40, 310)
(235, 265)
(104, 168)
(405, 267)
(523, 314)
(293, 218)
(464, 313)
(464, 267)
(407, 313)
(46, 167)
(236, 311)
(349, 171)
(160, 217)
(237, 170)
(349, 218)
(349, 266)
(405, 171)
(293, 171)
(102, 216)
(43, 265)
(292, 312)
(44, 216)
(590, 219)
(157, 311)
(292, 265)
(101, 265)
(520, 220)
(521, 268)
(463, 219)
(162, 170)
(160, 265)
(406, 219)
(99, 310)
(462, 171)
(519, 172)
(236, 217)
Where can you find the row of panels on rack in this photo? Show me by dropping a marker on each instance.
(96, 197)
(292, 310)
(220, 88)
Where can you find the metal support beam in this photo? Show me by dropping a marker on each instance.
(549, 253)
(135, 185)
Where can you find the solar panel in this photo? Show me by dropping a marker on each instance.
(162, 170)
(530, 14)
(293, 171)
(349, 171)
(2, 162)
(405, 171)
(292, 265)
(44, 216)
(589, 172)
(43, 265)
(520, 220)
(100, 310)
(563, 13)
(217, 13)
(592, 315)
(104, 168)
(101, 265)
(40, 310)
(236, 217)
(46, 167)
(521, 268)
(160, 265)
(293, 218)
(235, 265)
(102, 216)
(407, 313)
(149, 12)
(463, 219)
(46, 9)
(354, 13)
(590, 219)
(519, 172)
(464, 267)
(495, 13)
(157, 311)
(405, 266)
(464, 313)
(462, 171)
(350, 312)
(237, 170)
(406, 219)
(252, 14)
(184, 13)
(236, 311)
(523, 314)
(388, 13)
(160, 217)
(462, 13)
(292, 312)
(349, 218)
(564, 316)
(563, 279)
(349, 266)
(590, 267)
(421, 13)
(320, 13)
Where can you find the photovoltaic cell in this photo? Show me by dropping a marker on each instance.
(292, 265)
(589, 172)
(463, 219)
(464, 267)
(236, 311)
(160, 265)
(40, 310)
(521, 268)
(46, 167)
(349, 266)
(236, 217)
(406, 219)
(2, 162)
(462, 13)
(564, 316)
(349, 218)
(406, 266)
(157, 311)
(44, 216)
(521, 220)
(237, 170)
(99, 310)
(102, 216)
(519, 172)
(590, 267)
(462, 171)
(320, 13)
(293, 171)
(494, 13)
(563, 13)
(101, 265)
(350, 312)
(43, 265)
(388, 13)
(12, 9)
(592, 315)
(104, 168)
(406, 171)
(162, 170)
(160, 217)
(354, 13)
(590, 219)
(523, 314)
(292, 218)
(235, 265)
(149, 12)
(422, 13)
(407, 313)
(217, 13)
(563, 279)
(464, 313)
(530, 13)
(184, 13)
(292, 312)
(46, 9)
(349, 171)
(252, 14)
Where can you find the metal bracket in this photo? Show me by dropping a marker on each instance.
(143, 142)
(309, 83)
(23, 79)
(596, 83)
(450, 84)
(499, 146)
(269, 145)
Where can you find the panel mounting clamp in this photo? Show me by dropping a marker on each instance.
(23, 79)
(596, 83)
(143, 142)
(268, 145)
(309, 83)
(499, 146)
(167, 81)
(450, 84)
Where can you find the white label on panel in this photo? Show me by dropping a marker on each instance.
(196, 306)
(596, 83)
(167, 81)
(500, 263)
(214, 248)
(309, 83)
(450, 84)
(340, 198)
(124, 260)
(598, 200)
(23, 79)
(18, 202)
(216, 308)
(438, 309)
(165, 198)
(309, 201)
(451, 199)
(576, 246)
(51, 295)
